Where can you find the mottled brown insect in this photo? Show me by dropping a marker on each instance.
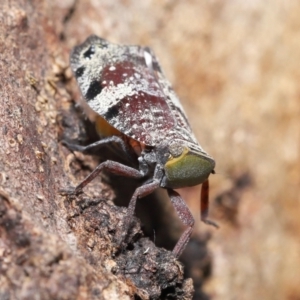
(138, 110)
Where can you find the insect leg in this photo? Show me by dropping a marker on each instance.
(96, 145)
(140, 192)
(187, 219)
(111, 166)
(205, 204)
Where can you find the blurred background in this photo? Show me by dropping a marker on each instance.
(235, 65)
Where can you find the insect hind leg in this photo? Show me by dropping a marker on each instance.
(91, 148)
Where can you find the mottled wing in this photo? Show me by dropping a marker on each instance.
(125, 85)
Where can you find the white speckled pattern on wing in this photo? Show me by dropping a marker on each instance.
(125, 85)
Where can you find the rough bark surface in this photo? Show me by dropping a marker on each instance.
(235, 66)
(53, 246)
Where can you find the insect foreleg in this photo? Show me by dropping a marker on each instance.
(187, 219)
(205, 204)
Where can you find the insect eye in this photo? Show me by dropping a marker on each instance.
(176, 149)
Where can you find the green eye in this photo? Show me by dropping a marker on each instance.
(188, 169)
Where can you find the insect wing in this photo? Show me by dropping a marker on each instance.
(125, 85)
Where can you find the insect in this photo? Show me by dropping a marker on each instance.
(138, 111)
